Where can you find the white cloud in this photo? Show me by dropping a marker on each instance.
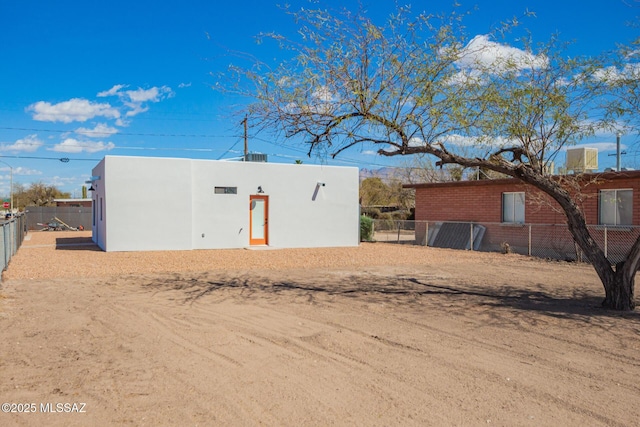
(466, 76)
(30, 144)
(76, 109)
(61, 181)
(322, 101)
(135, 109)
(71, 145)
(133, 102)
(122, 122)
(101, 130)
(135, 99)
(483, 53)
(478, 141)
(183, 85)
(111, 92)
(369, 152)
(154, 94)
(607, 74)
(26, 171)
(613, 74)
(416, 142)
(291, 108)
(323, 93)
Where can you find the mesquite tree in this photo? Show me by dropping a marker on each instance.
(417, 84)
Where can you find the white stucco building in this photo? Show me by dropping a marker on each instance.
(145, 203)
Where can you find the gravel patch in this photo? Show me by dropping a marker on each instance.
(48, 255)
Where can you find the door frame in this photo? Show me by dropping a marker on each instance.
(265, 239)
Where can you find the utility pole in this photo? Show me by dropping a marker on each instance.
(246, 144)
(618, 153)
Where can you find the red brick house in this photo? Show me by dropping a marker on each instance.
(610, 200)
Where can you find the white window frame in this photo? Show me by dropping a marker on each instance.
(613, 209)
(513, 207)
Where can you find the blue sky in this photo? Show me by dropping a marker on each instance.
(81, 80)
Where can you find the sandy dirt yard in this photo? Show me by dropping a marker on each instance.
(377, 335)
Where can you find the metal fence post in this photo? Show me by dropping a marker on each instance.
(426, 234)
(529, 239)
(7, 246)
(471, 237)
(399, 222)
(605, 242)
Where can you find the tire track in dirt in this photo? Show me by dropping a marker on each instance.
(160, 354)
(300, 344)
(315, 346)
(489, 368)
(275, 343)
(393, 383)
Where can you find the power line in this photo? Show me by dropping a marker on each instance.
(341, 159)
(84, 132)
(61, 159)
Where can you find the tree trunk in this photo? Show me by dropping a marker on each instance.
(618, 284)
(619, 290)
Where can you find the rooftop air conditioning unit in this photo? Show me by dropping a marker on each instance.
(255, 157)
(582, 160)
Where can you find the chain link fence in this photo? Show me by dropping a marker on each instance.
(552, 241)
(11, 236)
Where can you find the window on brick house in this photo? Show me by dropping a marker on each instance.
(513, 207)
(616, 207)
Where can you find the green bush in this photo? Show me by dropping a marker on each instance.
(366, 229)
(371, 212)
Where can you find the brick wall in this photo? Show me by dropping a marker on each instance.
(481, 201)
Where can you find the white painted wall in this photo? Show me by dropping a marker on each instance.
(139, 191)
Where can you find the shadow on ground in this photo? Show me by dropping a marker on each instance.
(406, 291)
(76, 244)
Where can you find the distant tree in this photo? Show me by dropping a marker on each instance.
(418, 85)
(37, 194)
(19, 199)
(481, 173)
(418, 169)
(375, 192)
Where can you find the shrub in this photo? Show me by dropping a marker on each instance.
(371, 212)
(366, 229)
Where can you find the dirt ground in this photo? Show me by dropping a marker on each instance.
(376, 335)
